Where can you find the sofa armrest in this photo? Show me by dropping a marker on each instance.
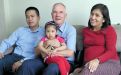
(117, 28)
(79, 58)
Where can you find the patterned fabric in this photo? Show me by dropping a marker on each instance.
(111, 67)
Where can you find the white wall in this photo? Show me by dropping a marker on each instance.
(78, 11)
(2, 20)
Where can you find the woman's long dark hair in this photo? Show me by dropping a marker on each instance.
(105, 12)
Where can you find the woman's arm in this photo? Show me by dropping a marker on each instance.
(110, 41)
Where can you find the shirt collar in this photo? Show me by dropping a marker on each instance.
(61, 28)
(34, 30)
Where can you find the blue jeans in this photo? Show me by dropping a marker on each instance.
(31, 67)
(7, 62)
(37, 67)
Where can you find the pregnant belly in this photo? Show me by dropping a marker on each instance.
(93, 52)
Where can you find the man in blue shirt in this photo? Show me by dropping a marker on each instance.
(68, 32)
(25, 39)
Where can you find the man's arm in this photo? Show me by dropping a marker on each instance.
(64, 53)
(7, 43)
(10, 41)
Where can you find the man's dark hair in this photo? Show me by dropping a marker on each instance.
(33, 8)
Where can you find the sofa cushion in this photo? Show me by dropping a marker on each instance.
(117, 27)
(79, 44)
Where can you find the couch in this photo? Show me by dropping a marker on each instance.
(79, 44)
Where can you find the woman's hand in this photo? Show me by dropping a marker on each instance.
(93, 64)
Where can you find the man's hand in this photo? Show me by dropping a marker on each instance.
(52, 53)
(93, 64)
(16, 65)
(1, 55)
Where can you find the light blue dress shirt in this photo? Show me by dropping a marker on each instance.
(25, 40)
(68, 32)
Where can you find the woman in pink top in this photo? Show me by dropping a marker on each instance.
(99, 38)
(53, 43)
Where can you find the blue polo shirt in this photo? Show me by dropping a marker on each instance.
(25, 40)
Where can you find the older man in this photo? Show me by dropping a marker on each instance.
(68, 32)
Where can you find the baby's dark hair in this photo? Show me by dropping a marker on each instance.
(51, 23)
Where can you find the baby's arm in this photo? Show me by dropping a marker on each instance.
(44, 52)
(46, 44)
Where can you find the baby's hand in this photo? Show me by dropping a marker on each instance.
(49, 52)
